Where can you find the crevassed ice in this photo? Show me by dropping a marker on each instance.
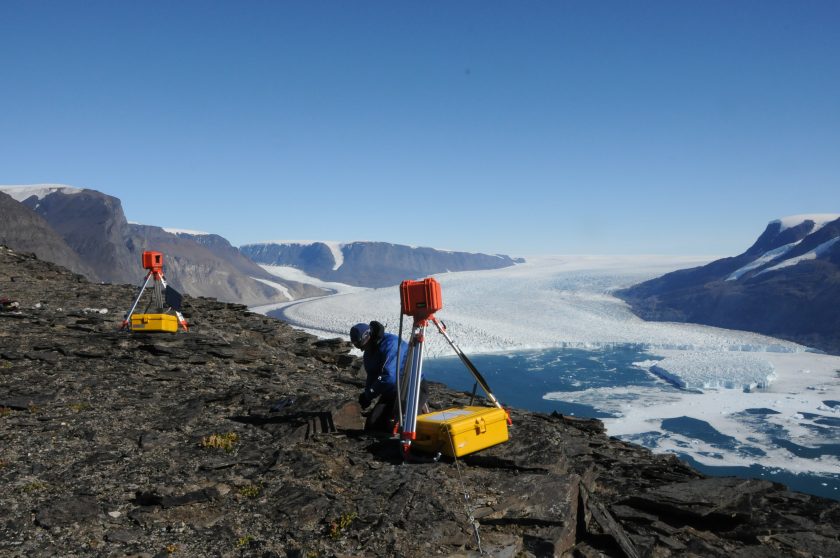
(549, 302)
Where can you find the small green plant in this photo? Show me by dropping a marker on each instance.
(33, 408)
(242, 542)
(342, 523)
(171, 548)
(79, 407)
(220, 441)
(5, 411)
(250, 491)
(34, 486)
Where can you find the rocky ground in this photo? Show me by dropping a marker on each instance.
(242, 438)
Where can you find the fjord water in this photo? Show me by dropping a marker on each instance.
(522, 379)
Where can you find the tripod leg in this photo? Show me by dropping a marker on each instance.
(409, 428)
(127, 317)
(470, 366)
(403, 376)
(398, 374)
(158, 294)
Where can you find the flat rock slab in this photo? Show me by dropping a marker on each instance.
(68, 511)
(700, 497)
(24, 402)
(546, 501)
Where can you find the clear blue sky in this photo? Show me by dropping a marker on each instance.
(517, 127)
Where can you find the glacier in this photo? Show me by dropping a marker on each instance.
(706, 373)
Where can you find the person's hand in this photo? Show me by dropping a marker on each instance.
(377, 331)
(365, 399)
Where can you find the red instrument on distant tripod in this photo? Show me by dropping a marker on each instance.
(153, 261)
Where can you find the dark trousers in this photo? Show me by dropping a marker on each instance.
(383, 416)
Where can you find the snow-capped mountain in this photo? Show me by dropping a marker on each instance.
(787, 284)
(368, 264)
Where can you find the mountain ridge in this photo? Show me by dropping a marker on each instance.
(93, 225)
(369, 263)
(786, 284)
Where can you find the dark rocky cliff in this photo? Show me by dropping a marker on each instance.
(26, 231)
(90, 235)
(241, 438)
(767, 289)
(371, 264)
(94, 226)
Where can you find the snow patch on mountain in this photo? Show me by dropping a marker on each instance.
(819, 219)
(338, 255)
(185, 231)
(21, 193)
(277, 286)
(761, 260)
(811, 255)
(334, 246)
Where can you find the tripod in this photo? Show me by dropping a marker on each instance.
(421, 299)
(153, 261)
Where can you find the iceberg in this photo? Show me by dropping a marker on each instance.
(693, 370)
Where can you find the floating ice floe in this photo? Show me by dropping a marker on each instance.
(694, 370)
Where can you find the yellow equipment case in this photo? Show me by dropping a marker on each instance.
(461, 430)
(154, 322)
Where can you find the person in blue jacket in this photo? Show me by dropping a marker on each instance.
(380, 361)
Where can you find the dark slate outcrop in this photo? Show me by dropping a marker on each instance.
(242, 438)
(94, 226)
(25, 231)
(371, 264)
(797, 302)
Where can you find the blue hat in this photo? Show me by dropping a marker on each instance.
(359, 335)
